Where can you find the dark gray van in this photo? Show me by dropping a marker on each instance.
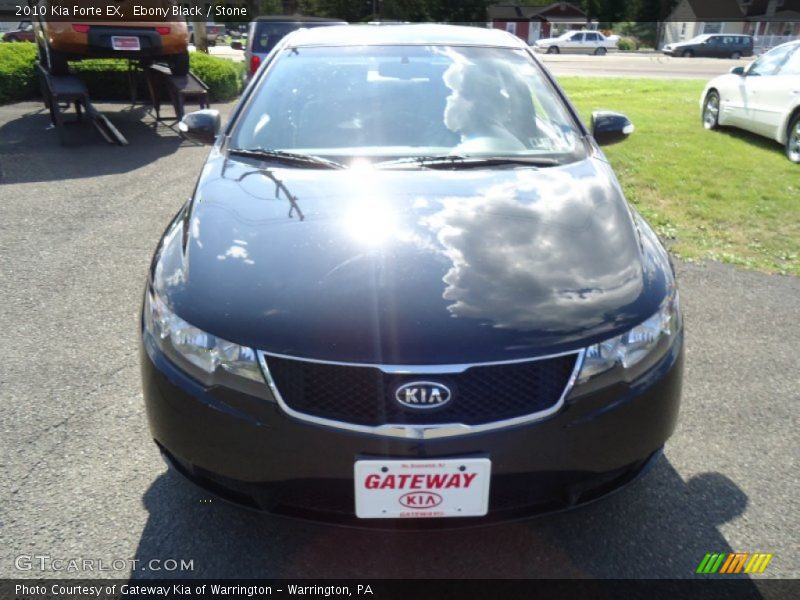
(717, 45)
(265, 32)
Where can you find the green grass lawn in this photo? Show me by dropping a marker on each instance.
(722, 195)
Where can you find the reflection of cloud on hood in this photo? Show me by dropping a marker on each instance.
(542, 251)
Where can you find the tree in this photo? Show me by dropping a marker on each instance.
(459, 11)
(650, 16)
(405, 10)
(200, 39)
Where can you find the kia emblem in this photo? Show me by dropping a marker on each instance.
(422, 395)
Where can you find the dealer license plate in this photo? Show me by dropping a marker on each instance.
(125, 42)
(396, 489)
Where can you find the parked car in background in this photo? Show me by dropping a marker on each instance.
(409, 286)
(763, 97)
(265, 32)
(213, 33)
(23, 33)
(577, 42)
(146, 41)
(713, 46)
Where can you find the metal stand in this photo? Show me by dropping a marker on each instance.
(181, 89)
(60, 92)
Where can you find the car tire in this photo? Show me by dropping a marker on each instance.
(736, 55)
(179, 64)
(553, 50)
(600, 52)
(687, 54)
(711, 110)
(793, 140)
(56, 62)
(11, 38)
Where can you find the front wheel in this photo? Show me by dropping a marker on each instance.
(11, 38)
(711, 111)
(600, 52)
(553, 50)
(179, 64)
(793, 140)
(687, 54)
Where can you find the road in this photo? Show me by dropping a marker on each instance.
(639, 65)
(82, 479)
(614, 64)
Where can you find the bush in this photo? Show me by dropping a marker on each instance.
(107, 79)
(627, 44)
(17, 71)
(222, 76)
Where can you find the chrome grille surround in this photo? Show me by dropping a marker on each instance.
(426, 431)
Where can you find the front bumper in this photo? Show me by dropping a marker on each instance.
(246, 450)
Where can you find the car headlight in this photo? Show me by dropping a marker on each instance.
(637, 349)
(207, 357)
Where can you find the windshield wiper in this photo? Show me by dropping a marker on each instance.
(454, 161)
(287, 158)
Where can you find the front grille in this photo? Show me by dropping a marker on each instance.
(366, 395)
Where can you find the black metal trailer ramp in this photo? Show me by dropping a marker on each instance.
(62, 91)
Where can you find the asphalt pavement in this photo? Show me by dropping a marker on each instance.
(83, 480)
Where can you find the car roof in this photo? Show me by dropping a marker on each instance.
(416, 34)
(792, 43)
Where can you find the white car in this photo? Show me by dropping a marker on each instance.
(580, 42)
(763, 97)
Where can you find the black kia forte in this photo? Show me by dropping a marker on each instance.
(408, 287)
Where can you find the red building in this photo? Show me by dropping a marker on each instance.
(532, 23)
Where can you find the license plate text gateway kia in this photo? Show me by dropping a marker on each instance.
(386, 489)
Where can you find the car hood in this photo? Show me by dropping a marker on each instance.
(408, 266)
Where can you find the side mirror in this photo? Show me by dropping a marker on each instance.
(201, 126)
(737, 71)
(610, 127)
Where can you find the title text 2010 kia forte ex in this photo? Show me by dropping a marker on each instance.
(407, 286)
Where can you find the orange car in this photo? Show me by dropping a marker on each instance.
(146, 41)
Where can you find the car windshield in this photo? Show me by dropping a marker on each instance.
(699, 39)
(391, 102)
